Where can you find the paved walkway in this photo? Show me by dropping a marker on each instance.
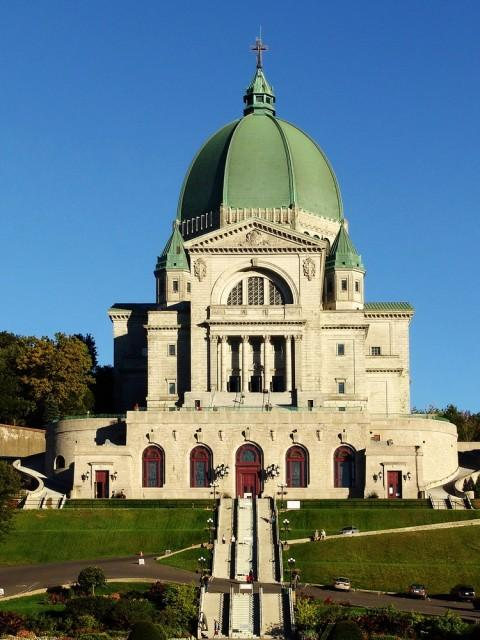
(421, 527)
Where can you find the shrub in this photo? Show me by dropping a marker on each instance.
(128, 612)
(11, 623)
(373, 495)
(146, 631)
(93, 636)
(42, 623)
(58, 594)
(96, 606)
(179, 604)
(89, 578)
(346, 630)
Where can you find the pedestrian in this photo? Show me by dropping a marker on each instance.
(250, 576)
(316, 536)
(232, 539)
(223, 539)
(323, 534)
(216, 627)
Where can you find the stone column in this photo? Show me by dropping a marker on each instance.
(298, 362)
(244, 367)
(288, 363)
(267, 377)
(213, 363)
(223, 355)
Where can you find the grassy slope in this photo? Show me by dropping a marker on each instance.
(188, 559)
(28, 605)
(305, 521)
(57, 536)
(390, 562)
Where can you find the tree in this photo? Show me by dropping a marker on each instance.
(89, 578)
(14, 408)
(89, 342)
(9, 488)
(55, 375)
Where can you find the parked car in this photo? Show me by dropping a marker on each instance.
(417, 591)
(349, 531)
(342, 584)
(463, 592)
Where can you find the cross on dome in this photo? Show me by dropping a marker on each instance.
(259, 48)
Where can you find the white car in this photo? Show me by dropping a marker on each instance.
(342, 584)
(349, 531)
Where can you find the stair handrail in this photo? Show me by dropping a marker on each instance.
(230, 611)
(201, 613)
(260, 611)
(469, 502)
(277, 543)
(291, 611)
(255, 550)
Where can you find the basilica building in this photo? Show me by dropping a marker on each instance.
(260, 367)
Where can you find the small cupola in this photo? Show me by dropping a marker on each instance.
(259, 96)
(344, 274)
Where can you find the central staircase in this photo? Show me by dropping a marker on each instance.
(247, 550)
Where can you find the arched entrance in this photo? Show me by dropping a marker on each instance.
(248, 470)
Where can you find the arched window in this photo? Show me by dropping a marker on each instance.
(344, 467)
(235, 296)
(297, 467)
(276, 296)
(255, 290)
(200, 467)
(153, 467)
(259, 290)
(59, 463)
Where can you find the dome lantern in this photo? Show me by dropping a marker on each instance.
(259, 96)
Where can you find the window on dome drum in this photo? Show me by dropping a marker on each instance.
(175, 286)
(200, 467)
(59, 462)
(357, 286)
(297, 467)
(172, 387)
(376, 351)
(341, 386)
(344, 467)
(340, 349)
(344, 285)
(172, 350)
(189, 287)
(153, 467)
(235, 297)
(255, 290)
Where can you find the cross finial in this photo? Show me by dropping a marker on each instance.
(259, 48)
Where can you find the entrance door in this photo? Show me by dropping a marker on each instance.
(248, 470)
(256, 384)
(101, 484)
(394, 484)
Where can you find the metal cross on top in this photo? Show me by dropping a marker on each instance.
(259, 48)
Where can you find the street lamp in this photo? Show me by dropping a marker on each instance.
(282, 492)
(214, 486)
(201, 565)
(211, 528)
(286, 529)
(294, 573)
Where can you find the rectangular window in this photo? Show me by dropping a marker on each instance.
(376, 351)
(172, 388)
(172, 349)
(340, 349)
(357, 286)
(189, 287)
(344, 285)
(342, 408)
(175, 286)
(341, 386)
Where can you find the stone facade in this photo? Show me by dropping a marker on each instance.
(259, 368)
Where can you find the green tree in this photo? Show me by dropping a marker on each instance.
(55, 375)
(89, 578)
(9, 488)
(14, 408)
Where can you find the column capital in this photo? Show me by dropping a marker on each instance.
(222, 338)
(297, 338)
(245, 338)
(267, 338)
(213, 338)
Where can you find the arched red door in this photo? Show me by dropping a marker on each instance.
(248, 469)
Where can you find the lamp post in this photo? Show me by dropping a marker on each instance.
(211, 528)
(214, 486)
(286, 529)
(201, 566)
(291, 566)
(282, 492)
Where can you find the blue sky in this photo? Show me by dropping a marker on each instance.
(104, 104)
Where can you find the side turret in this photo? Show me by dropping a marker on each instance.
(344, 275)
(172, 272)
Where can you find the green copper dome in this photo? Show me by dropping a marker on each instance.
(260, 161)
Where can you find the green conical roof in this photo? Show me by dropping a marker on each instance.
(174, 256)
(342, 253)
(259, 96)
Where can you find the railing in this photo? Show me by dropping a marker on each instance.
(86, 416)
(201, 615)
(277, 544)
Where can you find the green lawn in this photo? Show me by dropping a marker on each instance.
(89, 534)
(390, 562)
(29, 605)
(304, 521)
(188, 559)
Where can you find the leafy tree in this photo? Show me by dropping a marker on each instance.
(146, 631)
(56, 375)
(14, 408)
(128, 612)
(89, 341)
(180, 603)
(306, 614)
(89, 578)
(9, 487)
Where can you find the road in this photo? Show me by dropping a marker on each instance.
(24, 579)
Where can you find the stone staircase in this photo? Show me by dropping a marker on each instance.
(222, 551)
(242, 615)
(243, 547)
(272, 615)
(266, 548)
(43, 496)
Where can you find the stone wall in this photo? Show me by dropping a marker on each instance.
(21, 441)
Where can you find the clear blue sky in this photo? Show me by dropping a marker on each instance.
(104, 104)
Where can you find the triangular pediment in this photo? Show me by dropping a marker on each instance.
(255, 235)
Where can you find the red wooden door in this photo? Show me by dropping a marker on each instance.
(394, 484)
(101, 484)
(248, 470)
